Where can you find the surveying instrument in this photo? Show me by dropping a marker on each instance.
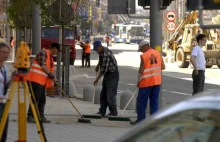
(22, 63)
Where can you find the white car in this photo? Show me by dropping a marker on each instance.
(193, 120)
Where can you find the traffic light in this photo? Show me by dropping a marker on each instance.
(90, 13)
(97, 3)
(143, 3)
(207, 4)
(164, 3)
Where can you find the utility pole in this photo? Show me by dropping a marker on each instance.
(156, 31)
(36, 28)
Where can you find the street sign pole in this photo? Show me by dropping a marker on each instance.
(156, 32)
(36, 29)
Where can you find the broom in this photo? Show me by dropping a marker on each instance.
(120, 118)
(82, 119)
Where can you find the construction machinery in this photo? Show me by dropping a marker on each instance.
(184, 39)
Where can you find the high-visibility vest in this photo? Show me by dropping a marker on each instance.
(151, 75)
(87, 48)
(37, 74)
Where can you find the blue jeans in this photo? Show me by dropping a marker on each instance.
(142, 99)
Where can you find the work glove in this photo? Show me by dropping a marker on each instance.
(50, 75)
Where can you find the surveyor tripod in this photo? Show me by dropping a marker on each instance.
(22, 99)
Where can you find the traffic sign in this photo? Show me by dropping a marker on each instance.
(171, 26)
(171, 15)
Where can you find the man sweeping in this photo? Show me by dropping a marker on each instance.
(41, 76)
(149, 80)
(109, 69)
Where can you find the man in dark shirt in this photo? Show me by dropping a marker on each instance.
(109, 69)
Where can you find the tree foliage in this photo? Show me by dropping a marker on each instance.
(20, 12)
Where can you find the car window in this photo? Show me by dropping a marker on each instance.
(184, 127)
(50, 33)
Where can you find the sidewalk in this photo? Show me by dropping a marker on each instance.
(64, 126)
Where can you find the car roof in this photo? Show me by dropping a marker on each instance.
(206, 100)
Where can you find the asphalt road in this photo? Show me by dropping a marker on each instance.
(176, 86)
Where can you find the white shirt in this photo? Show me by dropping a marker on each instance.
(200, 57)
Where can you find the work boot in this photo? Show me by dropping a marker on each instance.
(44, 119)
(99, 113)
(30, 119)
(113, 114)
(133, 122)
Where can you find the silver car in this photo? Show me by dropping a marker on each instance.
(193, 120)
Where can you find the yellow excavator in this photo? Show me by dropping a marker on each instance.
(184, 39)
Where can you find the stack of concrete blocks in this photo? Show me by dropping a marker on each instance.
(170, 54)
(72, 72)
(72, 87)
(125, 97)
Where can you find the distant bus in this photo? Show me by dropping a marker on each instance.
(127, 33)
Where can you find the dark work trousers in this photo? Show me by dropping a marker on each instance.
(72, 61)
(109, 93)
(152, 93)
(87, 59)
(83, 58)
(198, 81)
(198, 86)
(39, 93)
(5, 131)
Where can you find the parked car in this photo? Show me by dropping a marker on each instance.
(193, 120)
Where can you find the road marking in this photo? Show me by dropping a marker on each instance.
(175, 92)
(207, 80)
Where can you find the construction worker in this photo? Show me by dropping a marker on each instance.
(83, 53)
(109, 69)
(149, 80)
(87, 53)
(41, 76)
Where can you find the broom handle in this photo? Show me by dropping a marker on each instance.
(69, 100)
(93, 99)
(129, 102)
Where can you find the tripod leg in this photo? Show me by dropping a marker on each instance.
(36, 118)
(22, 122)
(7, 107)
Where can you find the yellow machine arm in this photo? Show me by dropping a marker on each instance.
(189, 19)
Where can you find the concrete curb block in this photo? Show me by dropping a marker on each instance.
(97, 94)
(88, 93)
(125, 97)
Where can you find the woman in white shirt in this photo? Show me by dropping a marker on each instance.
(4, 83)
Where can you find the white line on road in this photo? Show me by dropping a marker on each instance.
(175, 92)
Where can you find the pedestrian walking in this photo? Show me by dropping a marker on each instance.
(72, 54)
(4, 83)
(41, 76)
(197, 59)
(87, 54)
(149, 80)
(83, 53)
(109, 71)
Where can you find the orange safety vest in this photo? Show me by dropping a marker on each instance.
(151, 75)
(87, 48)
(37, 74)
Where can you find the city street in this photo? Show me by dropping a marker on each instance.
(177, 86)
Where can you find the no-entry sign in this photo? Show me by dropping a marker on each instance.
(171, 26)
